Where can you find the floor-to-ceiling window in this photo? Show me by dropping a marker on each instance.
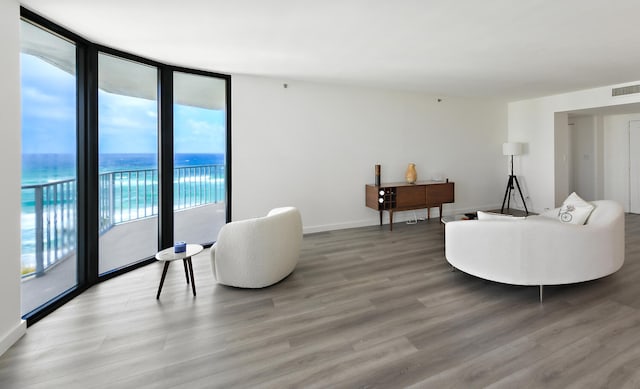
(199, 138)
(49, 190)
(128, 161)
(122, 156)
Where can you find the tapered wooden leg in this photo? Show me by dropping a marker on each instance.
(521, 196)
(390, 220)
(510, 189)
(540, 293)
(507, 193)
(193, 282)
(164, 274)
(186, 271)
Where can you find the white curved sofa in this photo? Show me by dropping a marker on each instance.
(539, 250)
(258, 252)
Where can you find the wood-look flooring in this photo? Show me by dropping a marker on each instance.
(365, 307)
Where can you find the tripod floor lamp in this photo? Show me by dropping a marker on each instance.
(511, 149)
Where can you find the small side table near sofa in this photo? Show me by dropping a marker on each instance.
(168, 255)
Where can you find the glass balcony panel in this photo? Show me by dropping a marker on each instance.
(128, 162)
(199, 186)
(49, 191)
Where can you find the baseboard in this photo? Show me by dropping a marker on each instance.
(398, 217)
(338, 226)
(12, 336)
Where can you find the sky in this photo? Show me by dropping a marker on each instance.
(126, 124)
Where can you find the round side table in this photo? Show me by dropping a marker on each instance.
(168, 255)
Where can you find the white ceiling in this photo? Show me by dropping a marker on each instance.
(504, 49)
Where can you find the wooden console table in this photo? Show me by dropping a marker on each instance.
(403, 197)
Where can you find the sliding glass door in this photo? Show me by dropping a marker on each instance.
(128, 161)
(121, 156)
(200, 143)
(49, 187)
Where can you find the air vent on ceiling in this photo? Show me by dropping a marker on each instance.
(625, 90)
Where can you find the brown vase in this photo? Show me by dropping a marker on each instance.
(411, 175)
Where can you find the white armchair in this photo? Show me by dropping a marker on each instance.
(258, 252)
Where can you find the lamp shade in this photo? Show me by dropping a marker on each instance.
(512, 148)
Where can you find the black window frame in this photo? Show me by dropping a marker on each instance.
(87, 158)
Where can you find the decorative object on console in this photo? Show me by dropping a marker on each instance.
(437, 178)
(575, 210)
(411, 175)
(377, 175)
(511, 149)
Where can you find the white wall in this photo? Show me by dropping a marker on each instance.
(599, 157)
(616, 151)
(314, 146)
(533, 122)
(562, 156)
(11, 326)
(583, 157)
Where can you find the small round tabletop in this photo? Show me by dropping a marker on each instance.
(168, 254)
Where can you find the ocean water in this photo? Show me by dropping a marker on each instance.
(41, 169)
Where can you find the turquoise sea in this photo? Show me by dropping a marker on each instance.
(41, 169)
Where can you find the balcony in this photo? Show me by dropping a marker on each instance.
(128, 204)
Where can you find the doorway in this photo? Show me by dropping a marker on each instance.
(634, 166)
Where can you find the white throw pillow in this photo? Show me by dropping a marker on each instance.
(498, 216)
(575, 210)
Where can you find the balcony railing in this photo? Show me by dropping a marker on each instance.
(49, 210)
